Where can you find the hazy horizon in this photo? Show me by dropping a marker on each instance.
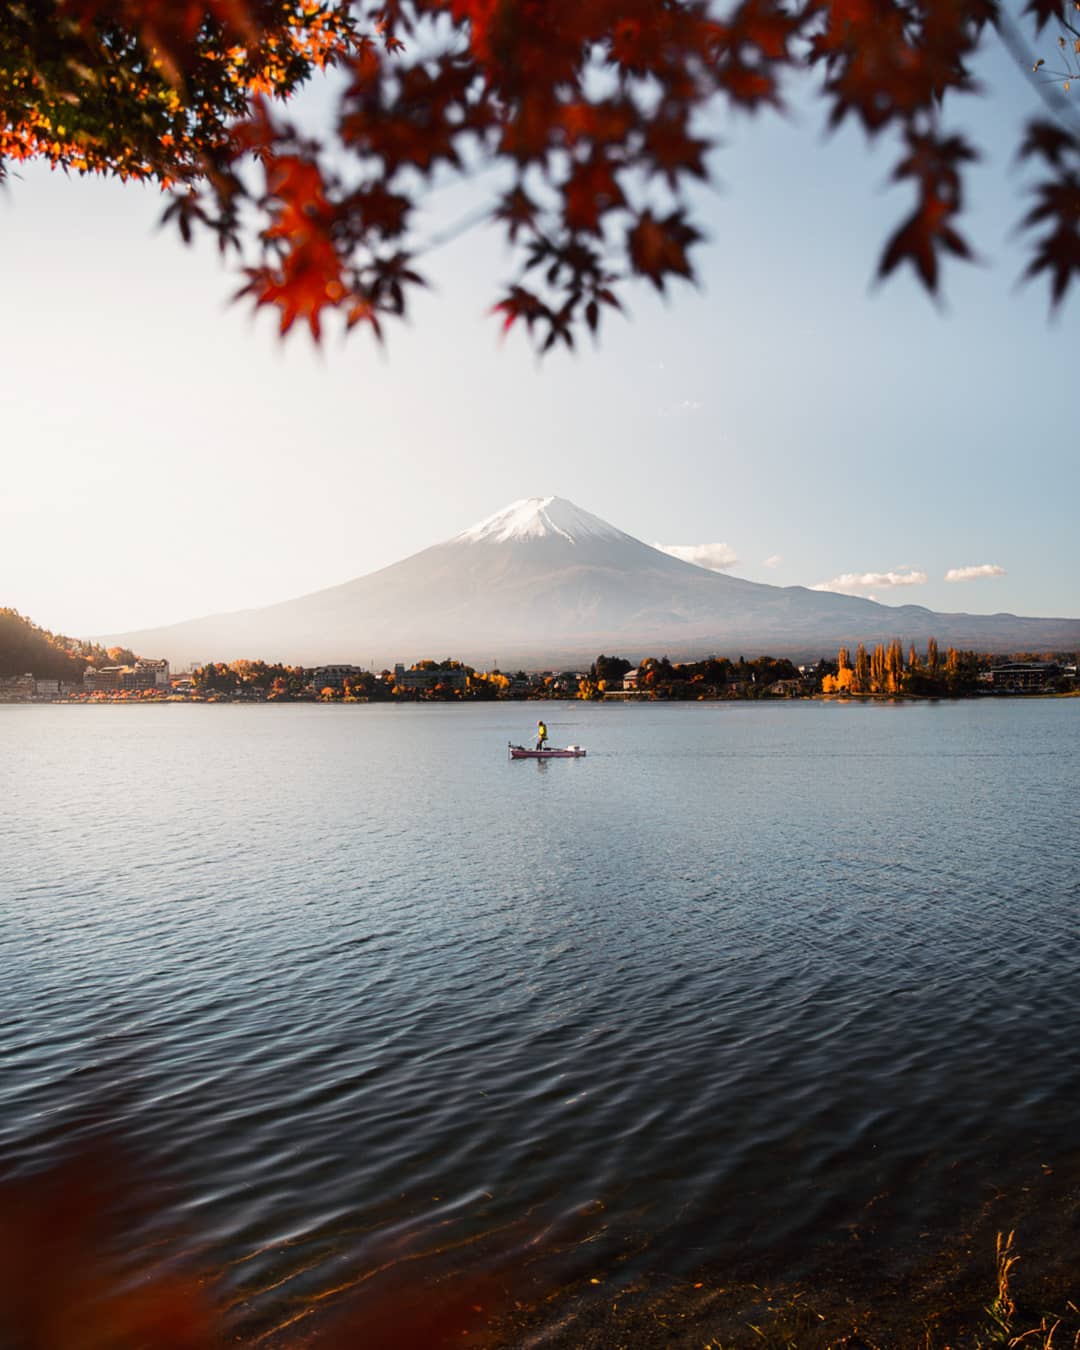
(545, 583)
(897, 595)
(896, 600)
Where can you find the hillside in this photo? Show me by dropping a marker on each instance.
(26, 649)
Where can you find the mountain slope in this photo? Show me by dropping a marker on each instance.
(544, 582)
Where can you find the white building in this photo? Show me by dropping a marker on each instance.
(152, 673)
(333, 677)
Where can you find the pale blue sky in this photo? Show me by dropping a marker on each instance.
(164, 456)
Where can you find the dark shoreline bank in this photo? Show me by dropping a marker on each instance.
(859, 1291)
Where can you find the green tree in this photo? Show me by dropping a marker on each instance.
(609, 668)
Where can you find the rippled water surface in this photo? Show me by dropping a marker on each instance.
(357, 987)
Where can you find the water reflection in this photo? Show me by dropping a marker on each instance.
(745, 986)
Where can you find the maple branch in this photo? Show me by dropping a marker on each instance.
(441, 238)
(1016, 45)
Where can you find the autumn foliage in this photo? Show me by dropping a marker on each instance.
(592, 112)
(78, 1272)
(65, 1276)
(151, 88)
(25, 647)
(884, 671)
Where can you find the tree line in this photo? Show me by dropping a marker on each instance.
(26, 648)
(880, 671)
(712, 677)
(447, 679)
(658, 677)
(884, 671)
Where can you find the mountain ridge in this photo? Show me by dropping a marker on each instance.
(544, 582)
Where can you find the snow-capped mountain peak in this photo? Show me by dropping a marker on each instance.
(540, 518)
(544, 584)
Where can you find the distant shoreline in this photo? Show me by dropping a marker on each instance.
(429, 701)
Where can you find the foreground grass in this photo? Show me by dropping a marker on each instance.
(976, 1306)
(1004, 1323)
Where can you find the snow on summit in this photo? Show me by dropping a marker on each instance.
(543, 582)
(540, 518)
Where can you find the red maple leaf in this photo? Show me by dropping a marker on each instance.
(589, 192)
(657, 246)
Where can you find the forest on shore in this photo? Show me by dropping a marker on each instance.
(881, 671)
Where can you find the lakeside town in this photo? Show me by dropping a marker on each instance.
(881, 673)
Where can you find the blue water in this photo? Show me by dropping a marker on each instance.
(357, 989)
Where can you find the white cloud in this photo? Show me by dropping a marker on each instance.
(854, 583)
(773, 560)
(716, 557)
(973, 573)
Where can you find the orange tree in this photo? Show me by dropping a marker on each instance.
(594, 108)
(149, 89)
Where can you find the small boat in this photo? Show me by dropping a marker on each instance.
(522, 752)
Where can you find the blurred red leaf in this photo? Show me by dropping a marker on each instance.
(1058, 251)
(657, 246)
(61, 1287)
(305, 283)
(1045, 11)
(597, 106)
(591, 190)
(934, 165)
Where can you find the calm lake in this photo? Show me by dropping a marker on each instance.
(749, 982)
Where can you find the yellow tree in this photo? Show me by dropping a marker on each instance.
(894, 666)
(842, 682)
(877, 670)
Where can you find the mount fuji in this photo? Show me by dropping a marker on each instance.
(544, 583)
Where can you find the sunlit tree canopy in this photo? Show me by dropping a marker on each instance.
(594, 109)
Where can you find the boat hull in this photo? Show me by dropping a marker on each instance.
(521, 752)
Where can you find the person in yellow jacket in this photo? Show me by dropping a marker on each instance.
(541, 734)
